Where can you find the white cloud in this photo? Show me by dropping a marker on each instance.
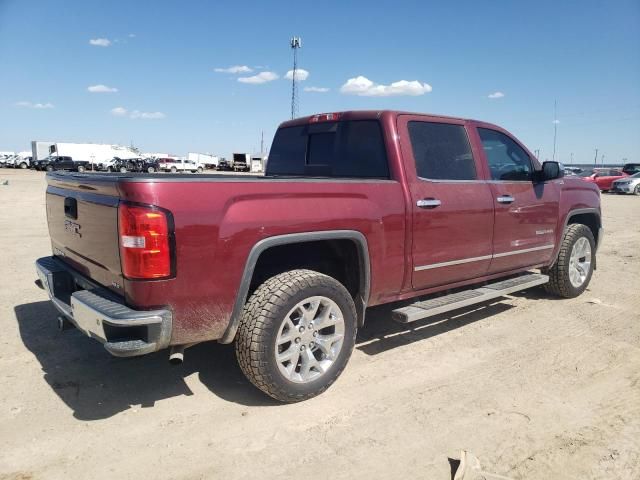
(301, 74)
(148, 115)
(234, 69)
(132, 35)
(119, 112)
(364, 87)
(101, 89)
(135, 114)
(35, 106)
(316, 89)
(496, 95)
(100, 42)
(262, 77)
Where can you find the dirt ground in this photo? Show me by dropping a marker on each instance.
(537, 388)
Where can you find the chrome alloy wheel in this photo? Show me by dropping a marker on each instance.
(580, 262)
(310, 339)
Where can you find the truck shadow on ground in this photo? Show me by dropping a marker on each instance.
(95, 385)
(381, 334)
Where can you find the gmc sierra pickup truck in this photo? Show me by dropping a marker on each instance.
(356, 209)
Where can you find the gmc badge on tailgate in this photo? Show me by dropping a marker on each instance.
(72, 227)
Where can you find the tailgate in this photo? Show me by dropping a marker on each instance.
(82, 214)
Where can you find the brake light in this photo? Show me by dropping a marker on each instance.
(145, 246)
(325, 117)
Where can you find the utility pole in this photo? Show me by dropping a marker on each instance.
(595, 159)
(262, 143)
(571, 157)
(296, 44)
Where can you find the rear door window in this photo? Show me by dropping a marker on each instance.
(441, 151)
(347, 149)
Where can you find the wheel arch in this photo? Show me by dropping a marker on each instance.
(589, 217)
(359, 241)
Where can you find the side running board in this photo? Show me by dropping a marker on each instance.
(435, 306)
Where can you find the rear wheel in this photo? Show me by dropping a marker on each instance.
(80, 168)
(636, 191)
(23, 165)
(123, 169)
(296, 334)
(571, 273)
(199, 170)
(151, 170)
(49, 168)
(174, 169)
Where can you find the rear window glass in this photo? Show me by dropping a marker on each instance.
(349, 149)
(441, 151)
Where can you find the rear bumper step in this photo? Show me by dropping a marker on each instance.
(447, 303)
(100, 314)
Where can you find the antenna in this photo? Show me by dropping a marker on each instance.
(296, 43)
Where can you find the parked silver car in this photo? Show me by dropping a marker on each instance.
(627, 185)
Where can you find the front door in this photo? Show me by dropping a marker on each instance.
(451, 206)
(526, 212)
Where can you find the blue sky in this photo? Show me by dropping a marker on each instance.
(161, 57)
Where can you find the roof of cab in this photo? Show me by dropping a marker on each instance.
(366, 115)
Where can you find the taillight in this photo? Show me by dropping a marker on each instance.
(145, 243)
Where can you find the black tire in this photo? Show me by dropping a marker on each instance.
(199, 170)
(559, 283)
(23, 165)
(261, 320)
(151, 170)
(123, 169)
(80, 169)
(636, 191)
(174, 169)
(49, 168)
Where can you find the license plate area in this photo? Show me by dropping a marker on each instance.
(87, 319)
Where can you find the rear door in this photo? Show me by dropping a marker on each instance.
(526, 212)
(451, 205)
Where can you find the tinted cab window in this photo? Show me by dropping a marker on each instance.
(441, 151)
(507, 160)
(347, 149)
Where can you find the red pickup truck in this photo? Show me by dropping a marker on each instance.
(356, 209)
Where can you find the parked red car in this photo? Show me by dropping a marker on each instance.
(356, 209)
(604, 178)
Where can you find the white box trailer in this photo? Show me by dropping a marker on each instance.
(258, 162)
(98, 154)
(40, 150)
(207, 160)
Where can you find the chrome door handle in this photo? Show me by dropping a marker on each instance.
(505, 199)
(429, 203)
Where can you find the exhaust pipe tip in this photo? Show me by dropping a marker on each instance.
(176, 355)
(64, 323)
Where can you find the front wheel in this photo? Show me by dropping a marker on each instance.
(123, 169)
(174, 169)
(571, 273)
(636, 191)
(151, 169)
(80, 169)
(296, 334)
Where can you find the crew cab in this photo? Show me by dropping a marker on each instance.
(179, 165)
(63, 163)
(355, 209)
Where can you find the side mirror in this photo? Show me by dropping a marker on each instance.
(550, 171)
